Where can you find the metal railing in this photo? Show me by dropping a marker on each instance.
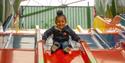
(9, 43)
(103, 41)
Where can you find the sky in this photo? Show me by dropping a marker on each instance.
(56, 2)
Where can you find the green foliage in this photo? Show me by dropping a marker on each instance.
(16, 5)
(1, 12)
(113, 8)
(109, 8)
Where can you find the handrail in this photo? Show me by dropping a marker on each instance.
(96, 41)
(122, 18)
(101, 38)
(121, 26)
(37, 32)
(123, 36)
(40, 50)
(88, 52)
(8, 41)
(7, 22)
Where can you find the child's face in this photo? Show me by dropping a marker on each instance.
(60, 22)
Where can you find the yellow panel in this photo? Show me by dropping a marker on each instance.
(99, 23)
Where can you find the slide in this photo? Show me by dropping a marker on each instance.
(82, 55)
(60, 57)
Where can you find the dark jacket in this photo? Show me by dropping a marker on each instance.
(61, 36)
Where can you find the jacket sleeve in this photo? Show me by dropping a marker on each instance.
(47, 33)
(73, 35)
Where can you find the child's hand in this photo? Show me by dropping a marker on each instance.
(43, 41)
(81, 41)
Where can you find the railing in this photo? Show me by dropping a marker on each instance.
(122, 34)
(122, 22)
(9, 43)
(40, 53)
(88, 52)
(96, 41)
(104, 41)
(6, 40)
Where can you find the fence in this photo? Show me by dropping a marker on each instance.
(44, 16)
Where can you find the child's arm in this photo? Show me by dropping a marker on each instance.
(47, 34)
(73, 35)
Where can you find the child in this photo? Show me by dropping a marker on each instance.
(61, 32)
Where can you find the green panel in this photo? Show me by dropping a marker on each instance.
(88, 17)
(36, 15)
(1, 10)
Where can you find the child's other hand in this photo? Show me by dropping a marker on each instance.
(67, 50)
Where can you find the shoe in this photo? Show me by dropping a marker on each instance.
(67, 50)
(54, 48)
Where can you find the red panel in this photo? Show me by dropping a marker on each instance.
(6, 56)
(17, 56)
(109, 56)
(60, 57)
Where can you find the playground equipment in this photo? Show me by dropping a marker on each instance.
(82, 54)
(106, 25)
(38, 53)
